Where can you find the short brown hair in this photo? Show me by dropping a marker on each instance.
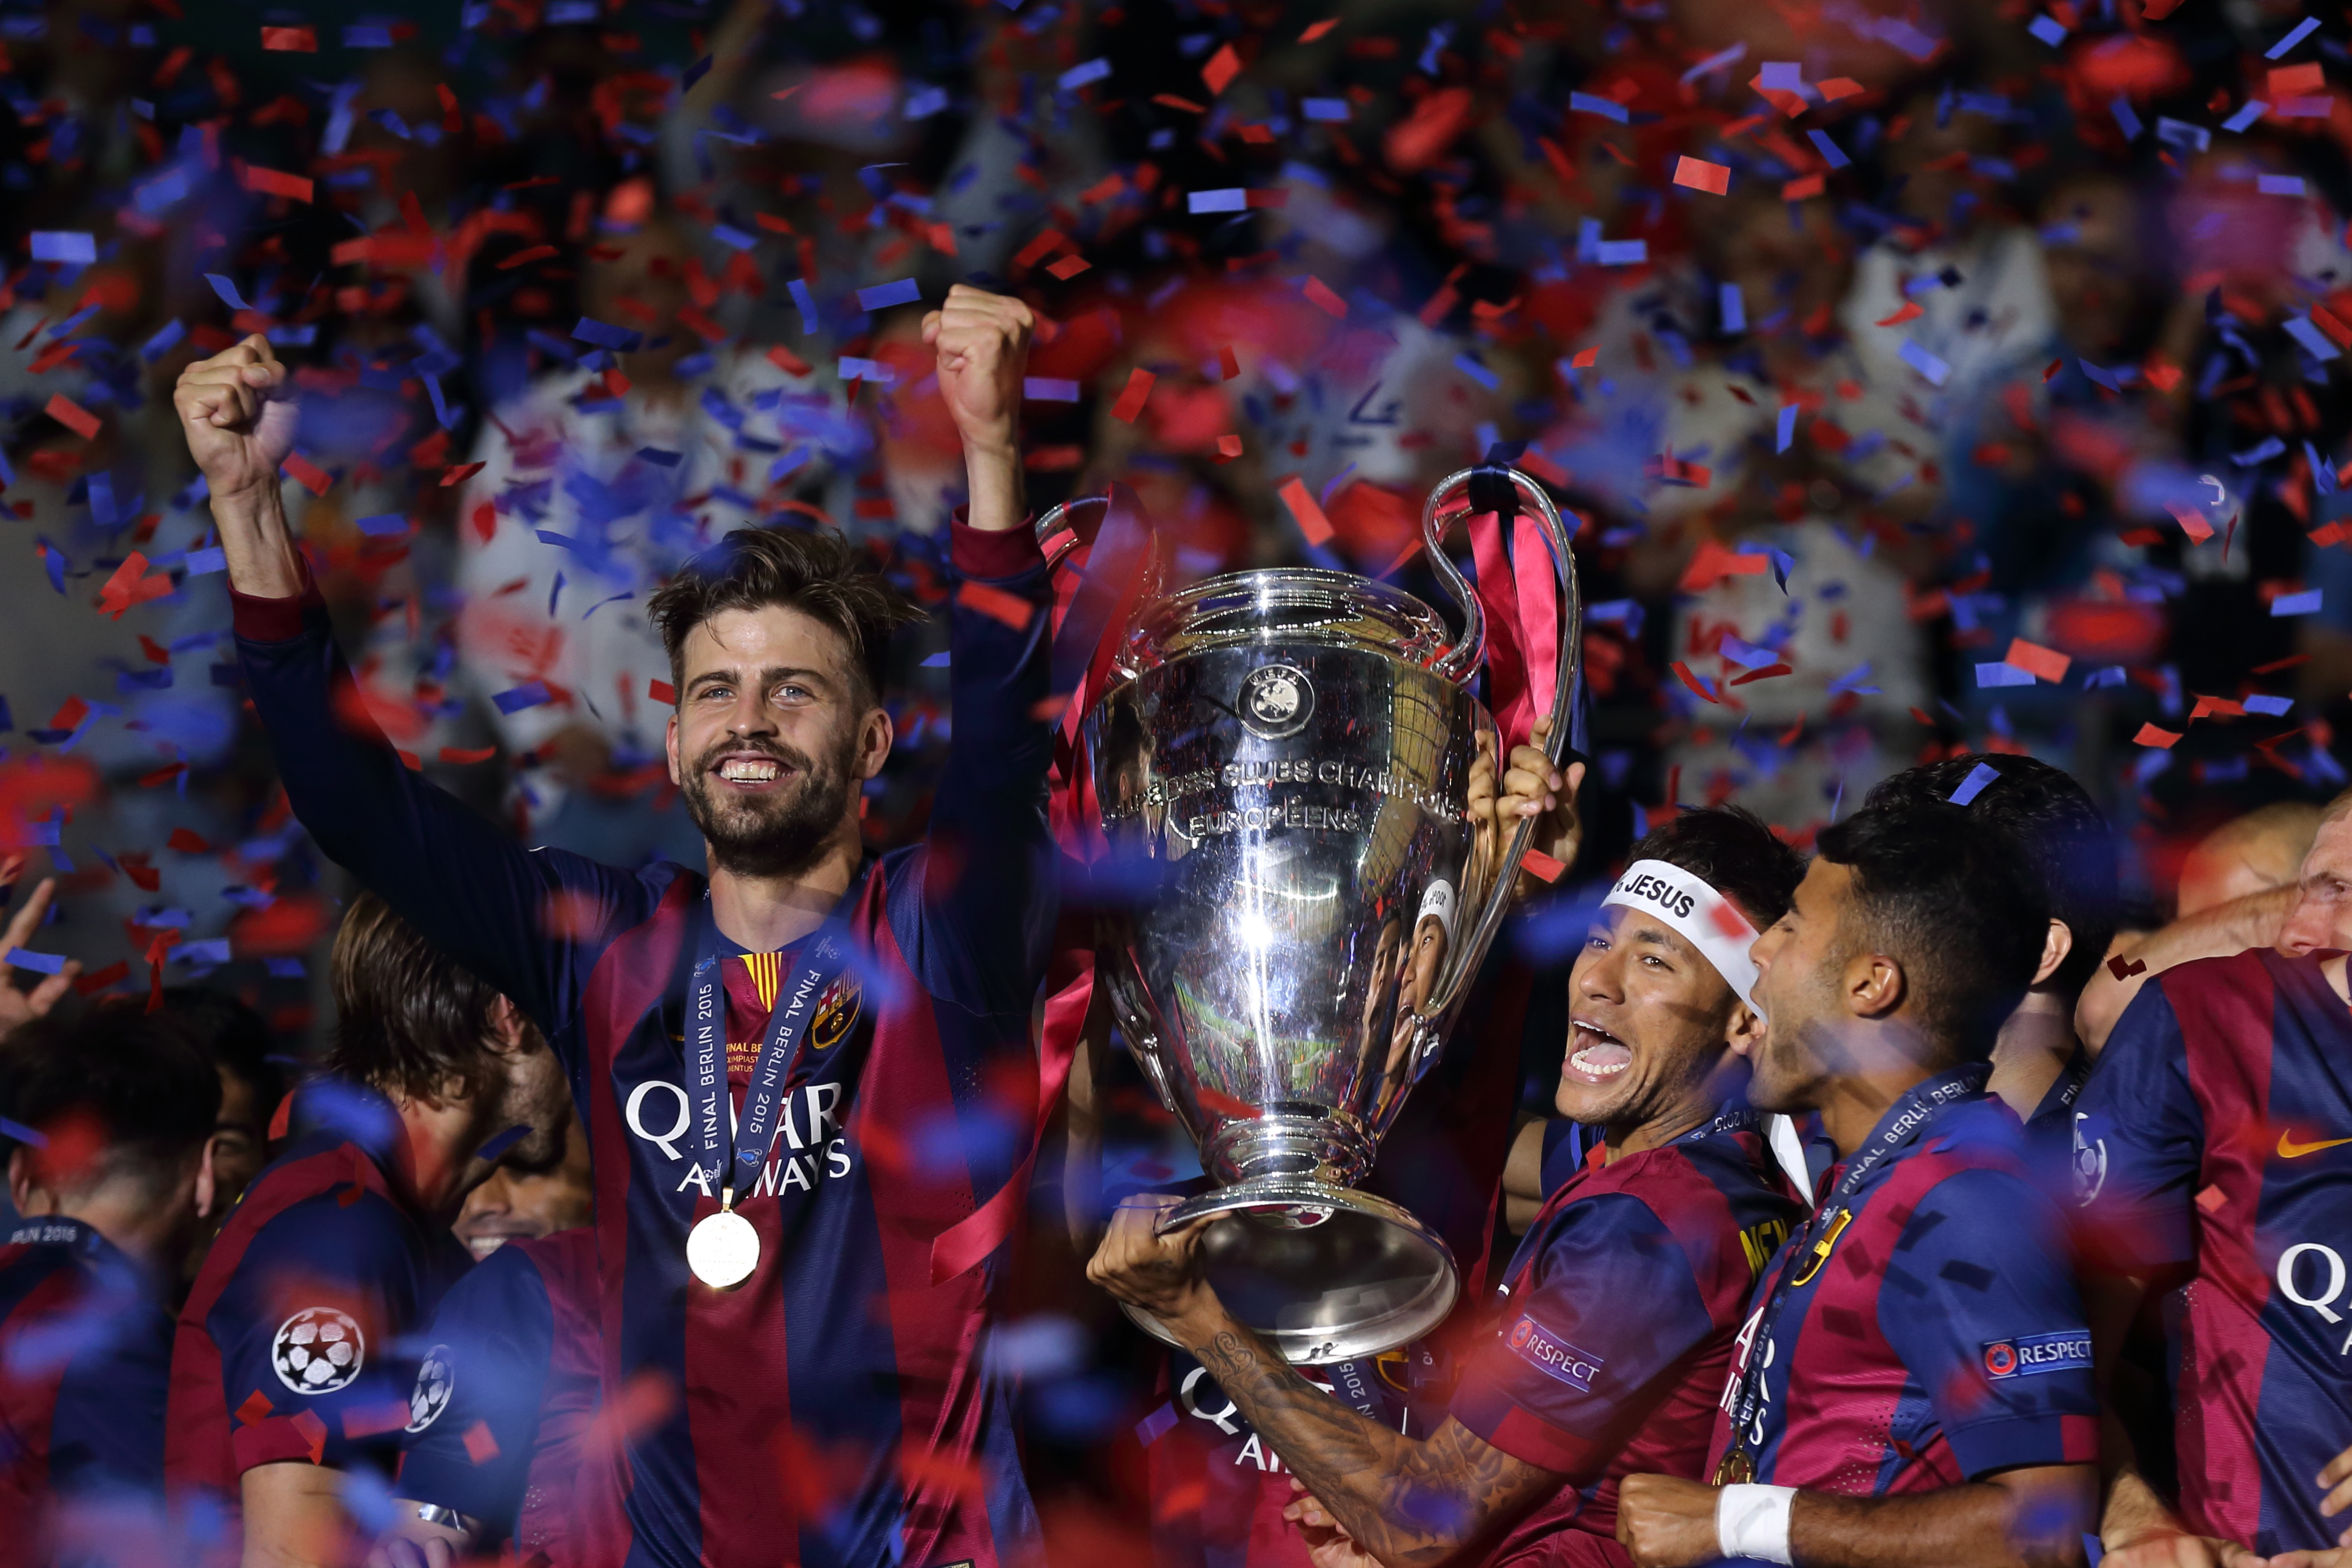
(813, 570)
(409, 1019)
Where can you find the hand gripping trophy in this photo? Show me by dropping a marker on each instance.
(1294, 749)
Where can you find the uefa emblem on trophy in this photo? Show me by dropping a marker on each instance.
(1295, 748)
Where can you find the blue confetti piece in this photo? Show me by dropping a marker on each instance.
(2113, 675)
(383, 525)
(226, 289)
(787, 464)
(41, 962)
(1831, 152)
(923, 101)
(1476, 372)
(2302, 30)
(367, 36)
(2125, 119)
(1851, 680)
(1225, 201)
(734, 237)
(512, 1135)
(201, 561)
(1049, 389)
(23, 1134)
(882, 295)
(1627, 613)
(850, 367)
(660, 457)
(694, 73)
(1926, 365)
(2312, 340)
(2274, 707)
(1589, 103)
(1747, 654)
(1786, 431)
(1974, 785)
(1078, 75)
(2279, 184)
(937, 661)
(1999, 674)
(1326, 111)
(805, 301)
(2263, 452)
(2253, 110)
(2180, 133)
(2049, 29)
(163, 342)
(1732, 306)
(605, 335)
(2303, 604)
(284, 968)
(1621, 252)
(65, 246)
(531, 694)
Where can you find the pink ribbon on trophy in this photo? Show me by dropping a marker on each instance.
(1520, 596)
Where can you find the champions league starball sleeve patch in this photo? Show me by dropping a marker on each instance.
(318, 1350)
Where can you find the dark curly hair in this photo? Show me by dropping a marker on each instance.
(1731, 850)
(813, 571)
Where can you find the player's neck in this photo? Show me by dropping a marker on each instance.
(2035, 1044)
(433, 1164)
(1854, 1105)
(762, 912)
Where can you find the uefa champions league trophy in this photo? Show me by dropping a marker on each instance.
(1294, 748)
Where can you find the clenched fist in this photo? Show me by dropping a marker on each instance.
(982, 341)
(239, 412)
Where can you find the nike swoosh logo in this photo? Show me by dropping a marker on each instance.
(2291, 1150)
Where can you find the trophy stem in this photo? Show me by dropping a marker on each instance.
(1322, 1273)
(1302, 1142)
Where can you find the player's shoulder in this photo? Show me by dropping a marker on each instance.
(506, 1286)
(1972, 1178)
(565, 1261)
(2207, 989)
(319, 1211)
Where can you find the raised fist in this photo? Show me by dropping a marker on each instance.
(239, 412)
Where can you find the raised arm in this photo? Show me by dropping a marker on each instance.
(527, 922)
(2218, 933)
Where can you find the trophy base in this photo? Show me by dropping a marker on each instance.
(1322, 1273)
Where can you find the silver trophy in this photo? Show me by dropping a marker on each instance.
(1294, 748)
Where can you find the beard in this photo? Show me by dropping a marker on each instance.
(775, 833)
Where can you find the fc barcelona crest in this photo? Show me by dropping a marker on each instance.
(836, 1013)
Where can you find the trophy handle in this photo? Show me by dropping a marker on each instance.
(1455, 664)
(1058, 530)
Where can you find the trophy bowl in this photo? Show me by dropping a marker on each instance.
(1294, 749)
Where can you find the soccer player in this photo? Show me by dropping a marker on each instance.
(294, 1360)
(112, 1171)
(2214, 1143)
(834, 1327)
(500, 1423)
(1915, 1386)
(2037, 1064)
(1618, 1313)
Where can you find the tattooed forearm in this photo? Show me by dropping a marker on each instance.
(1411, 1504)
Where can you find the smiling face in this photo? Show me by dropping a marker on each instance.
(2321, 919)
(1649, 1022)
(773, 736)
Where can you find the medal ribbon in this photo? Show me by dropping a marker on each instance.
(1896, 1131)
(731, 1162)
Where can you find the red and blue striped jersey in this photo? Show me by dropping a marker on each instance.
(1616, 1324)
(295, 1343)
(506, 1395)
(837, 1405)
(2215, 1137)
(1930, 1332)
(85, 1363)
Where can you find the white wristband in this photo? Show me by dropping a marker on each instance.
(1752, 1520)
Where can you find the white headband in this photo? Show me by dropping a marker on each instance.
(1438, 901)
(1695, 913)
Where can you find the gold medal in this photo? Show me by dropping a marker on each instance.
(722, 1249)
(1736, 1470)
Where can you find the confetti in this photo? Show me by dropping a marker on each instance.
(1701, 175)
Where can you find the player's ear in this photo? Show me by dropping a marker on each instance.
(670, 749)
(207, 1186)
(23, 1179)
(2056, 945)
(875, 738)
(1874, 985)
(1743, 1032)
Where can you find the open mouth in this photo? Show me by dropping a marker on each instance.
(752, 770)
(1595, 1056)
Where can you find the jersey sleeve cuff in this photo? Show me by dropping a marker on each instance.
(1531, 1439)
(1985, 1447)
(993, 553)
(279, 1438)
(258, 619)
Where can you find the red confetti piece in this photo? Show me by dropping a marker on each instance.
(1228, 447)
(1223, 67)
(1911, 311)
(72, 416)
(307, 474)
(1538, 864)
(480, 1445)
(161, 775)
(187, 842)
(525, 257)
(784, 359)
(1330, 303)
(1839, 87)
(71, 714)
(1701, 175)
(255, 1408)
(662, 691)
(1132, 399)
(1316, 30)
(2275, 666)
(314, 1431)
(1713, 563)
(274, 183)
(293, 40)
(1586, 359)
(1694, 682)
(1011, 609)
(463, 756)
(2044, 663)
(1170, 100)
(92, 984)
(1802, 189)
(486, 520)
(2122, 971)
(2150, 735)
(1069, 267)
(460, 474)
(2213, 1200)
(1306, 511)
